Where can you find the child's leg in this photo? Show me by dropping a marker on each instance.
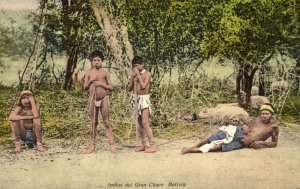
(37, 129)
(107, 125)
(148, 130)
(94, 116)
(140, 136)
(19, 132)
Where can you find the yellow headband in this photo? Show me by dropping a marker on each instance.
(266, 107)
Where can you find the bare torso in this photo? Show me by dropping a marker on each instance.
(27, 123)
(139, 89)
(101, 78)
(258, 131)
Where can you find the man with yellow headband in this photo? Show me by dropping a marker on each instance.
(252, 135)
(267, 107)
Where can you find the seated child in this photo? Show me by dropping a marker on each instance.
(25, 122)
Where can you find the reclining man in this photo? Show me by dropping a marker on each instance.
(253, 135)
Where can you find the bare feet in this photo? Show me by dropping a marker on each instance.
(184, 150)
(151, 149)
(90, 149)
(140, 148)
(112, 148)
(40, 147)
(17, 147)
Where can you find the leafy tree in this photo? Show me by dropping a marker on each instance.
(292, 49)
(166, 32)
(14, 41)
(248, 32)
(113, 27)
(71, 28)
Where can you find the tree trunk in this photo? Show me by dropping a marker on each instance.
(239, 92)
(71, 65)
(262, 74)
(248, 86)
(243, 86)
(115, 33)
(298, 73)
(71, 39)
(261, 87)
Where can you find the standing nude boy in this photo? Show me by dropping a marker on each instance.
(253, 135)
(139, 84)
(96, 82)
(25, 122)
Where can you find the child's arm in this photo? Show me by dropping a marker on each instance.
(37, 119)
(265, 144)
(34, 106)
(15, 115)
(87, 81)
(143, 83)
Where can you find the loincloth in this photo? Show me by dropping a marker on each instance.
(97, 103)
(143, 102)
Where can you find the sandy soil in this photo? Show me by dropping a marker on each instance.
(62, 167)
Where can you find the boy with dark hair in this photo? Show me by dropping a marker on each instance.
(96, 82)
(139, 84)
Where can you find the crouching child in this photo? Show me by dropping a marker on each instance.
(25, 122)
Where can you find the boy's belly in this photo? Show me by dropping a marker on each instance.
(100, 93)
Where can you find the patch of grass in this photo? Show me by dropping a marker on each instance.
(290, 110)
(6, 104)
(64, 113)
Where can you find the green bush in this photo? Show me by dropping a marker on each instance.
(290, 110)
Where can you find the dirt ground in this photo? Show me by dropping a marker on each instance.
(61, 167)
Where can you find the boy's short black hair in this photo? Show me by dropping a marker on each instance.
(137, 60)
(95, 54)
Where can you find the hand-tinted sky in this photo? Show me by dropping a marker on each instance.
(19, 4)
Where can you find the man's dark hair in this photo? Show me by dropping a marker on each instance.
(137, 60)
(95, 54)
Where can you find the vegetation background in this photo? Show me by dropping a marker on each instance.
(200, 53)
